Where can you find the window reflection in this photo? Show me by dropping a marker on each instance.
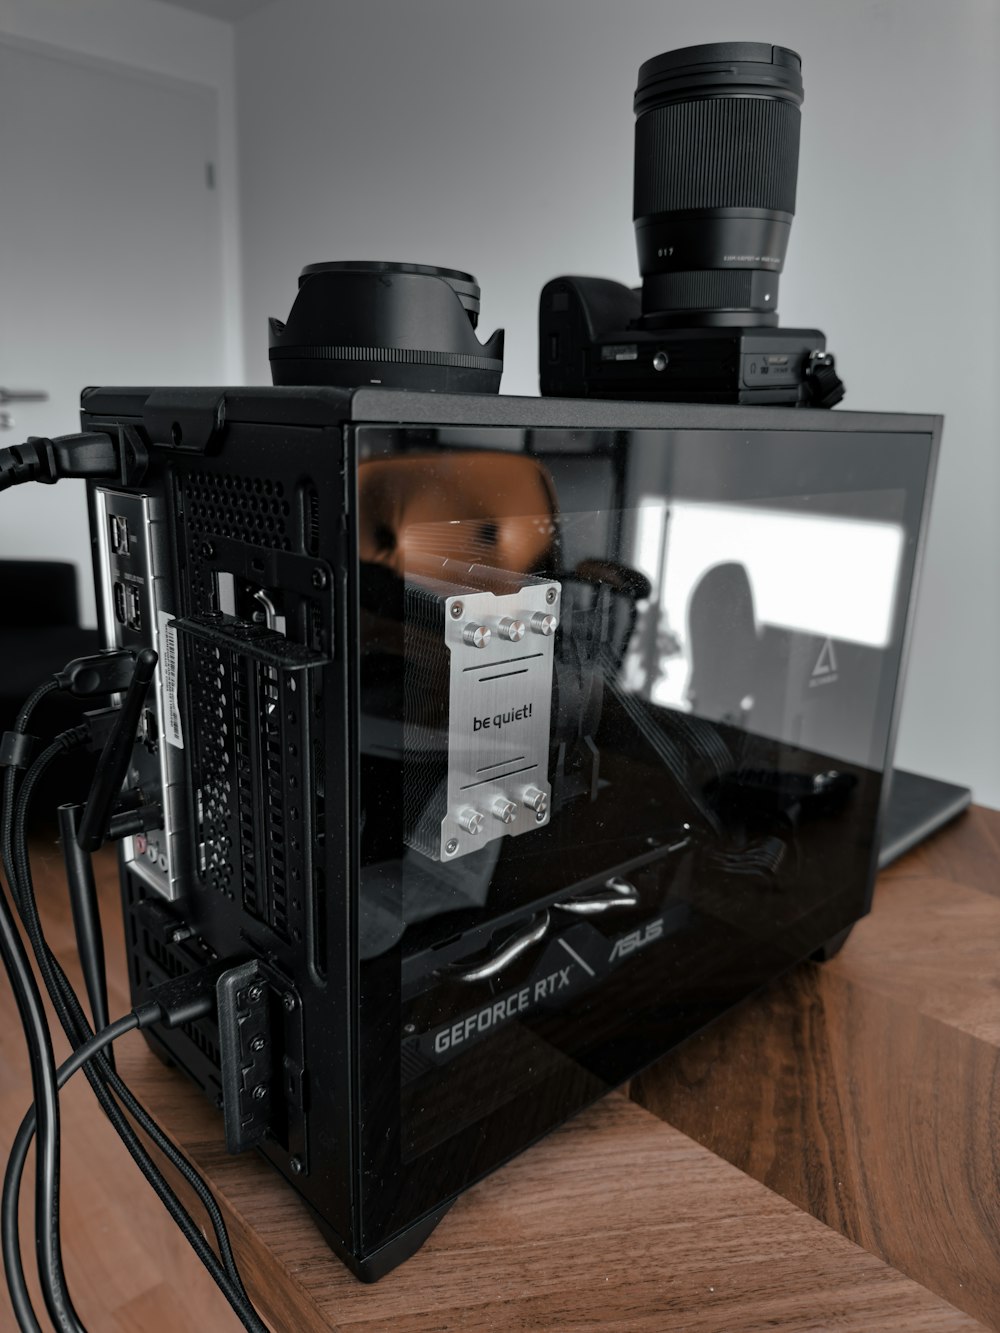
(753, 605)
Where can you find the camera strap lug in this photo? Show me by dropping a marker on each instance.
(824, 386)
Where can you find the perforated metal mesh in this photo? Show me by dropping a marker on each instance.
(251, 509)
(209, 699)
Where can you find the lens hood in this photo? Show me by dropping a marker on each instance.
(408, 326)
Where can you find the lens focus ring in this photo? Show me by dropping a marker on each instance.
(718, 152)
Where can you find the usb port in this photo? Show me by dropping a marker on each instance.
(119, 534)
(120, 613)
(134, 599)
(149, 730)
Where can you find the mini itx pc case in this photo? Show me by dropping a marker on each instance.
(503, 743)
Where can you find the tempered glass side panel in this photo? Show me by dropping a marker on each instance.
(625, 704)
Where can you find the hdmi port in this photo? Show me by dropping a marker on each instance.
(120, 613)
(134, 598)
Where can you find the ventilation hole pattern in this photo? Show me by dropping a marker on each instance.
(208, 1048)
(162, 956)
(249, 509)
(209, 700)
(275, 793)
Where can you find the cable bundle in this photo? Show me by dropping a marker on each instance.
(90, 1052)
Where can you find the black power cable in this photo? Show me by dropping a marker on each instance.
(68, 678)
(92, 454)
(20, 727)
(43, 1081)
(89, 1051)
(22, 1141)
(103, 1079)
(142, 1017)
(83, 455)
(29, 1003)
(77, 1029)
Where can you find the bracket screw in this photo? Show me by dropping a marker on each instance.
(255, 994)
(289, 1001)
(296, 1164)
(259, 1092)
(551, 595)
(258, 1044)
(319, 578)
(456, 610)
(451, 846)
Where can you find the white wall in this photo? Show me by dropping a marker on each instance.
(498, 138)
(159, 39)
(177, 69)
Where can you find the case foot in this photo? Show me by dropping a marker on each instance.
(832, 946)
(390, 1255)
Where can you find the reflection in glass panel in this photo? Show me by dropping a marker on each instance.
(747, 588)
(625, 707)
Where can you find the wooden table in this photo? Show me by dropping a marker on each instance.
(824, 1158)
(867, 1091)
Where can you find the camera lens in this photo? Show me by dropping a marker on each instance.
(716, 165)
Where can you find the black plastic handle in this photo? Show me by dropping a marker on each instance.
(114, 761)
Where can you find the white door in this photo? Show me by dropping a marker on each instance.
(110, 260)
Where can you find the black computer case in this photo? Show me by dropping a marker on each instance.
(491, 743)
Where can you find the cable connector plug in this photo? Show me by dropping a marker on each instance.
(73, 737)
(99, 722)
(18, 748)
(184, 999)
(90, 454)
(127, 823)
(107, 672)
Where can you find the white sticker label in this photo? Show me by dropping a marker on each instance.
(169, 681)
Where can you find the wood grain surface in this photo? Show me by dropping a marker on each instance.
(867, 1090)
(129, 1268)
(617, 1221)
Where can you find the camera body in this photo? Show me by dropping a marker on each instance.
(716, 170)
(594, 343)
